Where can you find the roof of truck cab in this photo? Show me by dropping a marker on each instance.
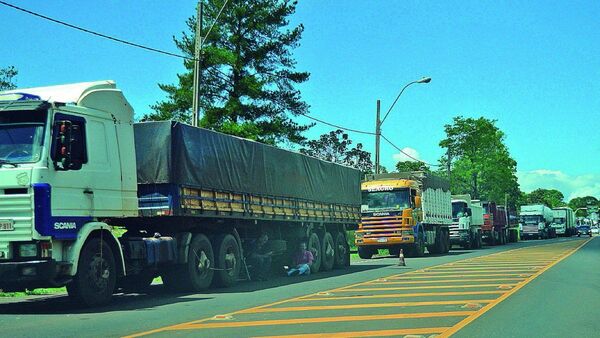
(67, 93)
(392, 183)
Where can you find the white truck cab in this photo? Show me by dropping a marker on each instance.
(66, 162)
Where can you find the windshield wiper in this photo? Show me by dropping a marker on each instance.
(5, 161)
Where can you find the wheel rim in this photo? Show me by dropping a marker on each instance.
(203, 263)
(99, 272)
(230, 261)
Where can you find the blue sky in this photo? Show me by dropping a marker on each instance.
(532, 65)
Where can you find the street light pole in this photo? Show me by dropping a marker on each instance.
(379, 122)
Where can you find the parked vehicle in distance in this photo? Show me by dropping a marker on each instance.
(535, 222)
(495, 227)
(594, 230)
(409, 211)
(467, 219)
(584, 230)
(188, 197)
(563, 221)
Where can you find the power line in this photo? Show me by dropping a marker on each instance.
(409, 156)
(337, 126)
(85, 30)
(213, 24)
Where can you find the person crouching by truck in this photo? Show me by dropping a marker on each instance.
(259, 258)
(303, 260)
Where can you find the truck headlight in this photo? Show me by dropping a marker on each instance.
(28, 250)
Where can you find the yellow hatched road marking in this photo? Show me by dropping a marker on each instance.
(447, 276)
(215, 325)
(363, 306)
(466, 280)
(426, 287)
(379, 333)
(403, 295)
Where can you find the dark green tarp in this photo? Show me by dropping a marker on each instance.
(171, 152)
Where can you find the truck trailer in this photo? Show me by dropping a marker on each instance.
(74, 165)
(467, 219)
(495, 228)
(535, 222)
(410, 211)
(563, 221)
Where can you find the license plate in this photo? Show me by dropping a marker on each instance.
(382, 240)
(7, 225)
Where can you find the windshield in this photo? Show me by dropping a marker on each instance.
(458, 209)
(382, 200)
(531, 219)
(21, 136)
(558, 220)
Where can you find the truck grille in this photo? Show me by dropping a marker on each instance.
(19, 208)
(530, 229)
(381, 226)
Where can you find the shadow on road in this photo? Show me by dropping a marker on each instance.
(157, 295)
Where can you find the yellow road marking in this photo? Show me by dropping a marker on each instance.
(448, 276)
(466, 280)
(362, 306)
(378, 333)
(467, 272)
(495, 268)
(402, 295)
(424, 287)
(479, 313)
(293, 321)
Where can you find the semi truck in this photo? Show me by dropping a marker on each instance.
(74, 165)
(467, 219)
(535, 222)
(563, 221)
(408, 210)
(495, 228)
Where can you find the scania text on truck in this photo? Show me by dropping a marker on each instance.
(563, 221)
(73, 164)
(535, 222)
(495, 228)
(467, 219)
(410, 211)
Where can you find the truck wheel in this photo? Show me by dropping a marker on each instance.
(96, 276)
(314, 246)
(328, 252)
(197, 273)
(342, 254)
(418, 248)
(447, 241)
(365, 252)
(478, 240)
(228, 261)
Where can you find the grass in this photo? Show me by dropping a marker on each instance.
(35, 292)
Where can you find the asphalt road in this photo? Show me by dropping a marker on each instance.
(535, 288)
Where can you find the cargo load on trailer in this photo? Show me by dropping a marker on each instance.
(410, 211)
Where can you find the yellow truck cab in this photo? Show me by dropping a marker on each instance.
(409, 211)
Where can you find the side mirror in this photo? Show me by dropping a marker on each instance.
(64, 138)
(417, 202)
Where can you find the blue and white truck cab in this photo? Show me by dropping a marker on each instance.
(66, 163)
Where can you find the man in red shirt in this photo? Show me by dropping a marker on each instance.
(302, 261)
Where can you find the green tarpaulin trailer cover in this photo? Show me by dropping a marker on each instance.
(174, 153)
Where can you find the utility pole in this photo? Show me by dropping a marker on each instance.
(377, 136)
(197, 70)
(449, 164)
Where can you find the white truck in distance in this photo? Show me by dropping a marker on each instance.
(563, 221)
(467, 219)
(535, 222)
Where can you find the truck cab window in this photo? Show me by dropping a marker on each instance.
(77, 146)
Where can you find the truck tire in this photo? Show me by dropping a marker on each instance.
(228, 261)
(418, 248)
(447, 244)
(96, 277)
(314, 246)
(439, 244)
(328, 252)
(342, 252)
(478, 240)
(365, 252)
(197, 274)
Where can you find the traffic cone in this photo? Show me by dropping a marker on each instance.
(401, 261)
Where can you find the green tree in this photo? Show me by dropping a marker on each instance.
(481, 164)
(7, 76)
(582, 202)
(550, 197)
(411, 166)
(335, 146)
(248, 78)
